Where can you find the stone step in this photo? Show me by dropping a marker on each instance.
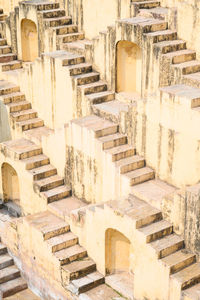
(67, 38)
(36, 134)
(62, 241)
(70, 254)
(30, 124)
(13, 97)
(130, 164)
(5, 58)
(77, 269)
(102, 292)
(120, 152)
(9, 273)
(192, 293)
(145, 25)
(66, 29)
(178, 57)
(47, 224)
(5, 49)
(110, 110)
(161, 36)
(167, 245)
(113, 140)
(188, 67)
(146, 4)
(36, 161)
(21, 149)
(48, 183)
(57, 21)
(182, 94)
(3, 17)
(140, 175)
(3, 42)
(57, 193)
(192, 79)
(53, 13)
(98, 126)
(86, 283)
(43, 172)
(63, 207)
(97, 98)
(160, 13)
(95, 87)
(5, 261)
(18, 106)
(170, 46)
(87, 78)
(156, 230)
(3, 249)
(72, 59)
(12, 287)
(78, 47)
(47, 5)
(179, 260)
(12, 65)
(8, 88)
(24, 115)
(80, 69)
(144, 215)
(188, 276)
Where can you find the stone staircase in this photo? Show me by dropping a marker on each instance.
(162, 244)
(55, 19)
(77, 271)
(115, 146)
(23, 119)
(11, 281)
(8, 60)
(46, 183)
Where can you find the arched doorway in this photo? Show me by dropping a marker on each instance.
(129, 67)
(11, 190)
(29, 38)
(117, 252)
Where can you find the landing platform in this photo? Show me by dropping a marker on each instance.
(153, 192)
(122, 283)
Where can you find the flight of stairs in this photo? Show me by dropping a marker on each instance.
(56, 19)
(165, 246)
(8, 60)
(78, 271)
(46, 183)
(115, 145)
(11, 281)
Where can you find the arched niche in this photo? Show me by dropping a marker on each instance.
(11, 190)
(128, 67)
(117, 254)
(29, 40)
